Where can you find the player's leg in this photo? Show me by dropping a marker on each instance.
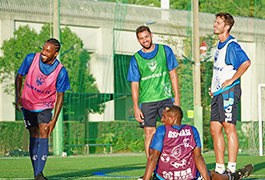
(150, 117)
(217, 134)
(30, 120)
(231, 98)
(149, 133)
(44, 118)
(232, 145)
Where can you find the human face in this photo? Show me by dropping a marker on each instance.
(145, 39)
(48, 53)
(167, 119)
(219, 26)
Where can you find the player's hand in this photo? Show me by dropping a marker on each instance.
(138, 115)
(177, 102)
(18, 104)
(227, 83)
(50, 126)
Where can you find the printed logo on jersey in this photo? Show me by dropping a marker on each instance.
(39, 79)
(216, 55)
(152, 65)
(167, 88)
(184, 132)
(165, 158)
(167, 175)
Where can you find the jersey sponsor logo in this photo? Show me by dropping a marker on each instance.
(168, 175)
(154, 76)
(152, 64)
(39, 79)
(184, 132)
(218, 68)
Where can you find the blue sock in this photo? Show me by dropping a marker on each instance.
(33, 151)
(42, 153)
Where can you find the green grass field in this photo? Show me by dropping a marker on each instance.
(115, 166)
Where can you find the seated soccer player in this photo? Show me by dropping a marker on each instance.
(176, 152)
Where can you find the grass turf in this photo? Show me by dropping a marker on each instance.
(115, 166)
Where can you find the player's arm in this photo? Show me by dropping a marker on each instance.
(57, 109)
(151, 163)
(135, 97)
(175, 85)
(200, 164)
(18, 86)
(240, 71)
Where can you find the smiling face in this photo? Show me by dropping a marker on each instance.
(219, 26)
(48, 53)
(145, 39)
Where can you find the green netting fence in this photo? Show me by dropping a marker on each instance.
(97, 110)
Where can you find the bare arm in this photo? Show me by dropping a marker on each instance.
(241, 70)
(135, 97)
(57, 109)
(151, 163)
(175, 85)
(18, 86)
(200, 164)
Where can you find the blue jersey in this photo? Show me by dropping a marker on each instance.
(62, 83)
(134, 74)
(158, 139)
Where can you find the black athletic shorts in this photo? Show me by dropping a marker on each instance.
(152, 110)
(224, 106)
(32, 119)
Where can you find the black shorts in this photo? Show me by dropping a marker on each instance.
(32, 119)
(224, 106)
(152, 110)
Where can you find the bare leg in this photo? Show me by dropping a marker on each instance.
(218, 141)
(149, 132)
(232, 141)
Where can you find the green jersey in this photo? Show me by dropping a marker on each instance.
(155, 83)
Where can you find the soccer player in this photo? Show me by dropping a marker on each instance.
(45, 83)
(154, 82)
(230, 63)
(176, 152)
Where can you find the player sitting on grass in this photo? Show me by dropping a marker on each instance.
(176, 152)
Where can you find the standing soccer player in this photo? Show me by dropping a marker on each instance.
(230, 63)
(45, 83)
(153, 76)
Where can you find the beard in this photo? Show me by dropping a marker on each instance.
(148, 47)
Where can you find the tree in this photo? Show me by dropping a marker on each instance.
(74, 58)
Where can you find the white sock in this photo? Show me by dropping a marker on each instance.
(232, 166)
(219, 168)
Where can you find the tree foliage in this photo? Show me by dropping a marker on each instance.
(243, 8)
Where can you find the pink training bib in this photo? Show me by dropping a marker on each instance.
(39, 91)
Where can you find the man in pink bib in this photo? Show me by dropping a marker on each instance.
(45, 83)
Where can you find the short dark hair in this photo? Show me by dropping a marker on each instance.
(55, 42)
(175, 111)
(228, 19)
(142, 29)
